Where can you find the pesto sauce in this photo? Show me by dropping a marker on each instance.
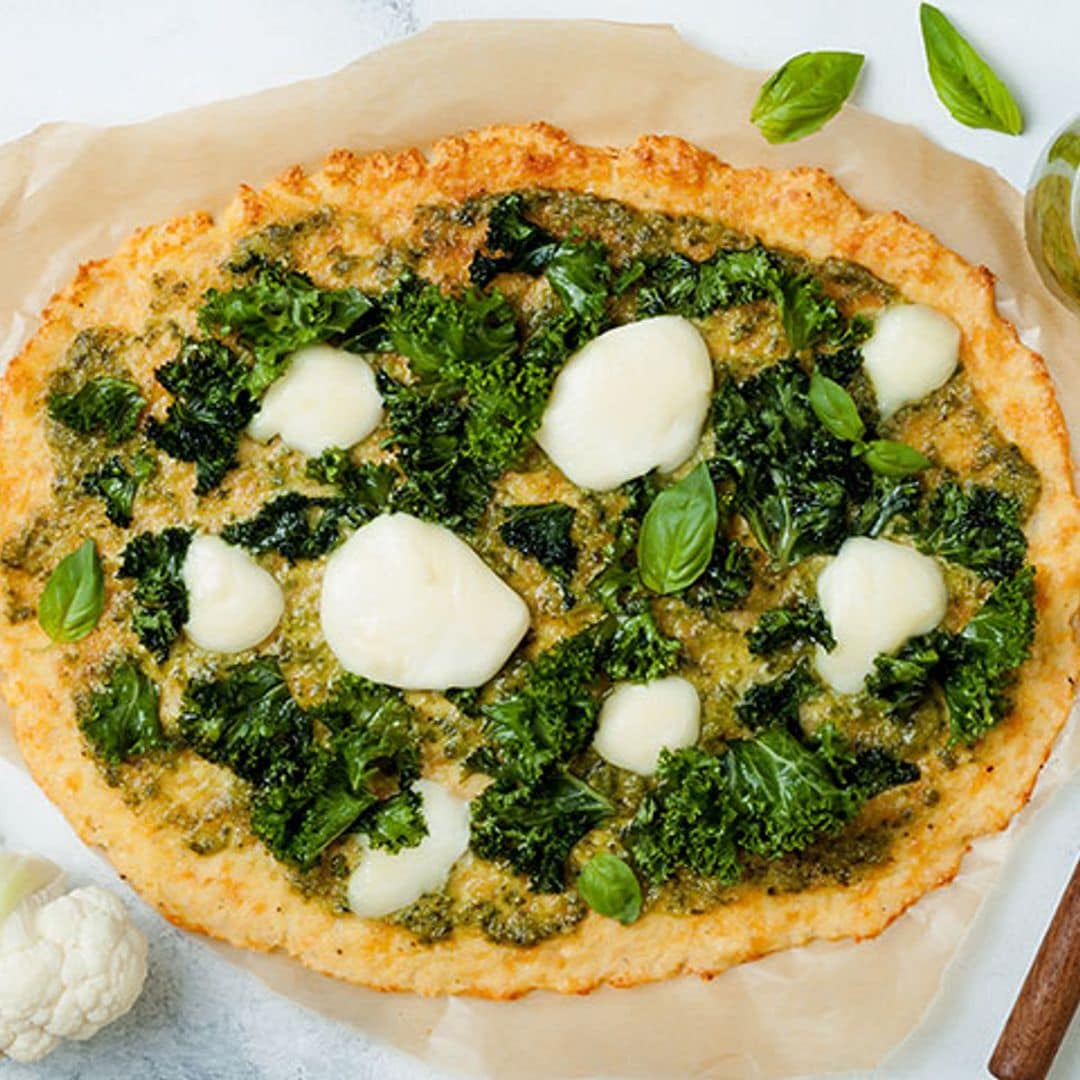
(209, 808)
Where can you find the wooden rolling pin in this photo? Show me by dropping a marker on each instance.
(1048, 998)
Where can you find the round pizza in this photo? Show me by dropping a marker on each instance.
(530, 565)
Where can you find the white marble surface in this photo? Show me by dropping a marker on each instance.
(121, 60)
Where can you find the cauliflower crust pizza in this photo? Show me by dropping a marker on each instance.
(530, 565)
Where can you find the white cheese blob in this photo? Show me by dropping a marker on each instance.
(913, 350)
(875, 595)
(638, 720)
(327, 397)
(233, 603)
(632, 400)
(407, 603)
(384, 882)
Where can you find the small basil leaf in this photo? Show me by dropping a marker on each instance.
(74, 595)
(835, 408)
(609, 887)
(893, 458)
(806, 92)
(678, 534)
(964, 81)
(123, 720)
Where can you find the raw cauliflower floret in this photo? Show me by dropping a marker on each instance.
(69, 965)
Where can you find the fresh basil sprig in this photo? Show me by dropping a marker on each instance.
(73, 597)
(804, 94)
(678, 533)
(611, 888)
(836, 409)
(966, 84)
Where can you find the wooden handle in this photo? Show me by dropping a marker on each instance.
(1048, 998)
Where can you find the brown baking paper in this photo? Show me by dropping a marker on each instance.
(69, 193)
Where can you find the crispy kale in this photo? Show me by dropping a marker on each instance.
(155, 562)
(794, 482)
(305, 792)
(397, 822)
(212, 404)
(686, 820)
(278, 312)
(777, 701)
(870, 770)
(513, 243)
(727, 579)
(118, 484)
(121, 720)
(543, 531)
(105, 406)
(781, 627)
(976, 526)
(534, 827)
(637, 650)
(302, 526)
(974, 667)
(889, 497)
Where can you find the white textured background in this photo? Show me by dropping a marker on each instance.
(111, 61)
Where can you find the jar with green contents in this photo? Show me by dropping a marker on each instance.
(1052, 215)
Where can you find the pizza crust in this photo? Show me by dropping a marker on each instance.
(241, 895)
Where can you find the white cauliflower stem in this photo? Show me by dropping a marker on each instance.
(69, 965)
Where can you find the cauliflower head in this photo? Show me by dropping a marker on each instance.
(69, 964)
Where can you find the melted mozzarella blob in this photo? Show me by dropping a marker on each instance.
(327, 397)
(407, 603)
(638, 720)
(384, 882)
(632, 400)
(913, 350)
(233, 603)
(875, 595)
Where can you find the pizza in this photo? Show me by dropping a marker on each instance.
(530, 565)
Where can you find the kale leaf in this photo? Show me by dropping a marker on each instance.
(212, 404)
(637, 650)
(512, 244)
(294, 525)
(780, 627)
(121, 720)
(867, 770)
(902, 681)
(397, 822)
(534, 827)
(976, 526)
(727, 579)
(155, 561)
(105, 406)
(794, 482)
(279, 312)
(777, 701)
(543, 531)
(686, 820)
(118, 484)
(889, 497)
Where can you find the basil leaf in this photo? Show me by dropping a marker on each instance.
(123, 720)
(964, 81)
(610, 887)
(678, 534)
(893, 458)
(806, 92)
(74, 595)
(835, 408)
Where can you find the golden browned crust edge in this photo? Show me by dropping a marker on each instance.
(241, 896)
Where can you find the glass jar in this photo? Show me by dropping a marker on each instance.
(1052, 215)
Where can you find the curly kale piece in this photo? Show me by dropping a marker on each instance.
(121, 721)
(306, 793)
(278, 312)
(867, 770)
(637, 651)
(543, 531)
(976, 526)
(212, 404)
(106, 406)
(889, 497)
(686, 820)
(781, 627)
(155, 562)
(785, 794)
(534, 827)
(727, 579)
(512, 244)
(118, 483)
(777, 701)
(397, 823)
(986, 654)
(903, 680)
(794, 482)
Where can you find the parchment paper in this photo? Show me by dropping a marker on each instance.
(69, 193)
